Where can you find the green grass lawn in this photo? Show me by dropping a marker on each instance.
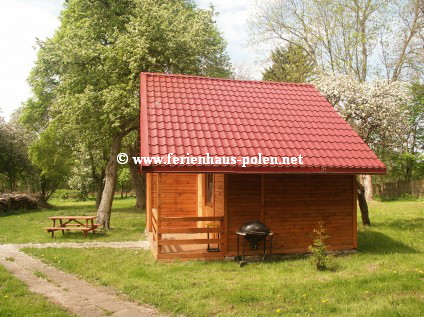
(17, 300)
(385, 278)
(127, 223)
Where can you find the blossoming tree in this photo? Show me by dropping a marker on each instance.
(377, 110)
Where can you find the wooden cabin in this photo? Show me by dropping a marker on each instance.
(195, 207)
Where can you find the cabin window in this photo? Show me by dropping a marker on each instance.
(209, 190)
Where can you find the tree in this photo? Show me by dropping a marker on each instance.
(138, 180)
(124, 180)
(401, 40)
(407, 163)
(97, 160)
(359, 37)
(54, 160)
(289, 64)
(415, 134)
(87, 74)
(363, 38)
(15, 166)
(243, 71)
(377, 111)
(89, 153)
(88, 172)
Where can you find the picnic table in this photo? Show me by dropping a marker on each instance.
(81, 223)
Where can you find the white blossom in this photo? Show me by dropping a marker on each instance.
(377, 110)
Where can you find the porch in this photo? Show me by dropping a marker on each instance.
(185, 217)
(197, 241)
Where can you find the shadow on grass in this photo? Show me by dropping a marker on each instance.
(92, 209)
(19, 212)
(405, 224)
(76, 210)
(405, 198)
(85, 208)
(378, 243)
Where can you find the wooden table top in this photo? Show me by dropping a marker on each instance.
(73, 217)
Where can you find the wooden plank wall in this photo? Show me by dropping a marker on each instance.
(292, 206)
(243, 204)
(178, 198)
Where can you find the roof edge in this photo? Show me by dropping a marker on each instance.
(144, 131)
(264, 170)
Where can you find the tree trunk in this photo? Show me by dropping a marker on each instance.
(105, 207)
(138, 180)
(98, 178)
(363, 206)
(100, 187)
(367, 182)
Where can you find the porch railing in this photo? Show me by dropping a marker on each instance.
(214, 232)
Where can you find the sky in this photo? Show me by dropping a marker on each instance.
(22, 21)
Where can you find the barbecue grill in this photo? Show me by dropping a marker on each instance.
(254, 232)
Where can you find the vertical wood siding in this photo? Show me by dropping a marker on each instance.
(178, 197)
(244, 203)
(292, 206)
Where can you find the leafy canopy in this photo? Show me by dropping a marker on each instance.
(85, 81)
(289, 64)
(88, 72)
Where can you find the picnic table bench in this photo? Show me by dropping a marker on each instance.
(81, 223)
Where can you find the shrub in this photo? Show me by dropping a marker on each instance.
(70, 194)
(319, 248)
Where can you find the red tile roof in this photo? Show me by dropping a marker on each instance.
(197, 115)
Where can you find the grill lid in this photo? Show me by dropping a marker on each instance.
(254, 232)
(254, 228)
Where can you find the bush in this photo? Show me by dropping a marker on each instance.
(319, 248)
(403, 197)
(13, 202)
(70, 194)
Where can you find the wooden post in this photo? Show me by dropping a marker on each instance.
(225, 224)
(214, 195)
(158, 192)
(355, 212)
(262, 217)
(200, 199)
(149, 202)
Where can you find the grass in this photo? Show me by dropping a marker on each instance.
(41, 275)
(127, 222)
(385, 278)
(17, 300)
